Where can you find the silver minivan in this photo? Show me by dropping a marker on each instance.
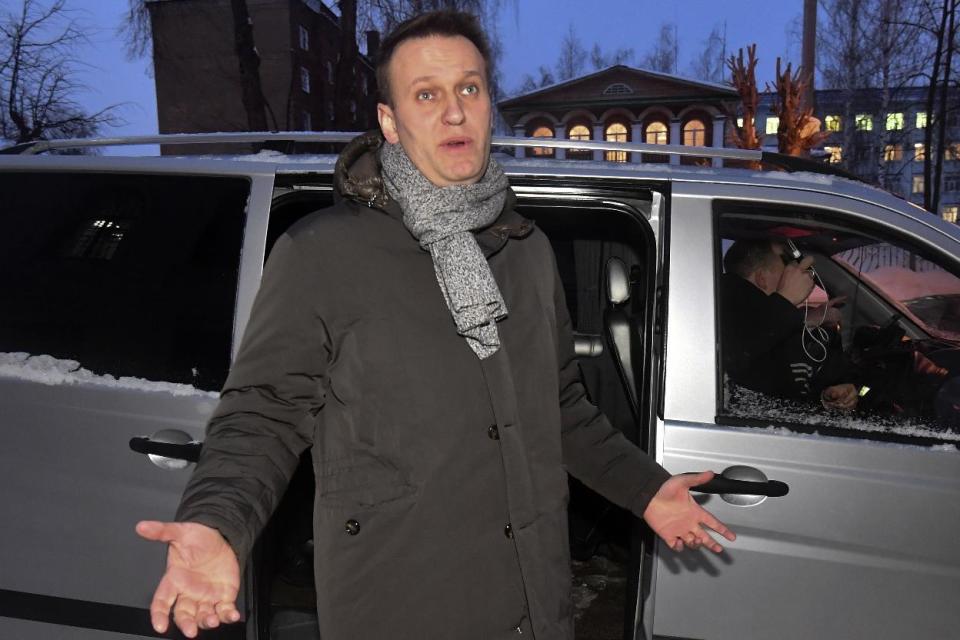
(128, 282)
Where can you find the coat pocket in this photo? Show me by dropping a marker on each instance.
(360, 481)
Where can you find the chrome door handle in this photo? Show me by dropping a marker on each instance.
(743, 486)
(169, 449)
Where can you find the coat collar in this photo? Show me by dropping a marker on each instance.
(356, 177)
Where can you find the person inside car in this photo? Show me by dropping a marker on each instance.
(414, 336)
(773, 342)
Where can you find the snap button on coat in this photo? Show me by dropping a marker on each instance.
(493, 433)
(352, 527)
(508, 530)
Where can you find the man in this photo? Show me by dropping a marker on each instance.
(415, 336)
(766, 346)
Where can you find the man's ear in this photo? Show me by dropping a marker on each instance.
(388, 123)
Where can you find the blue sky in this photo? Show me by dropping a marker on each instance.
(530, 31)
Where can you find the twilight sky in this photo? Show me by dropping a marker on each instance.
(530, 30)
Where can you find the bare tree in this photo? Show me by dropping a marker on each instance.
(38, 76)
(530, 83)
(601, 60)
(743, 76)
(798, 131)
(709, 64)
(572, 57)
(664, 53)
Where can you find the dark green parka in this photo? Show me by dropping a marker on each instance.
(441, 489)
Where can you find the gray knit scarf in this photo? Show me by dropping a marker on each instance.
(441, 219)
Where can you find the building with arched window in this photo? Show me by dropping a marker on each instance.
(623, 104)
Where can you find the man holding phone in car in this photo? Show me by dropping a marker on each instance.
(772, 345)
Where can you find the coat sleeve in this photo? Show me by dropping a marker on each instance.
(267, 409)
(594, 451)
(752, 324)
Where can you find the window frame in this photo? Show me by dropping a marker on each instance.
(800, 215)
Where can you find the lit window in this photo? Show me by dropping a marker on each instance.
(305, 79)
(892, 153)
(863, 122)
(543, 131)
(740, 122)
(307, 121)
(304, 38)
(615, 132)
(894, 121)
(919, 152)
(773, 123)
(952, 151)
(918, 184)
(950, 213)
(694, 133)
(579, 132)
(835, 154)
(656, 133)
(921, 119)
(832, 123)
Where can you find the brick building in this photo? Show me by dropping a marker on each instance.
(197, 71)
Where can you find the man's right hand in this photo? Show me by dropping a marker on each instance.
(202, 578)
(796, 281)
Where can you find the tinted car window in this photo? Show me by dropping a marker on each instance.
(888, 335)
(126, 275)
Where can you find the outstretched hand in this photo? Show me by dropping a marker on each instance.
(677, 518)
(202, 578)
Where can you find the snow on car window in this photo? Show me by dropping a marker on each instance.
(740, 402)
(48, 370)
(926, 291)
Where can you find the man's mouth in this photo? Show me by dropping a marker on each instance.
(455, 143)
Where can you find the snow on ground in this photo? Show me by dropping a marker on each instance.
(48, 370)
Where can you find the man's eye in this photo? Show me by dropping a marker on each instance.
(424, 95)
(470, 89)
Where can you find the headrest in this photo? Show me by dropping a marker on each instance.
(618, 281)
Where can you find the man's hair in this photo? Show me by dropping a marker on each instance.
(744, 257)
(445, 23)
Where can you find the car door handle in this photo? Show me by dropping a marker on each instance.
(185, 451)
(721, 485)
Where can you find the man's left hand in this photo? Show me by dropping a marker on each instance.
(677, 518)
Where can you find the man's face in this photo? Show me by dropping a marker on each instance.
(769, 275)
(441, 108)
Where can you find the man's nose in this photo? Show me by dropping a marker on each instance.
(453, 113)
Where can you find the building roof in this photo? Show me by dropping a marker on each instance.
(642, 84)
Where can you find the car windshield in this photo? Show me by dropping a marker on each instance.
(922, 290)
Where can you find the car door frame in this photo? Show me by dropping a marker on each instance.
(691, 381)
(104, 617)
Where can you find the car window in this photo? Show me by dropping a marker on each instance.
(120, 275)
(919, 288)
(873, 351)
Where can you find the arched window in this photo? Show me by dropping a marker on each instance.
(656, 133)
(579, 132)
(694, 133)
(543, 131)
(617, 89)
(615, 132)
